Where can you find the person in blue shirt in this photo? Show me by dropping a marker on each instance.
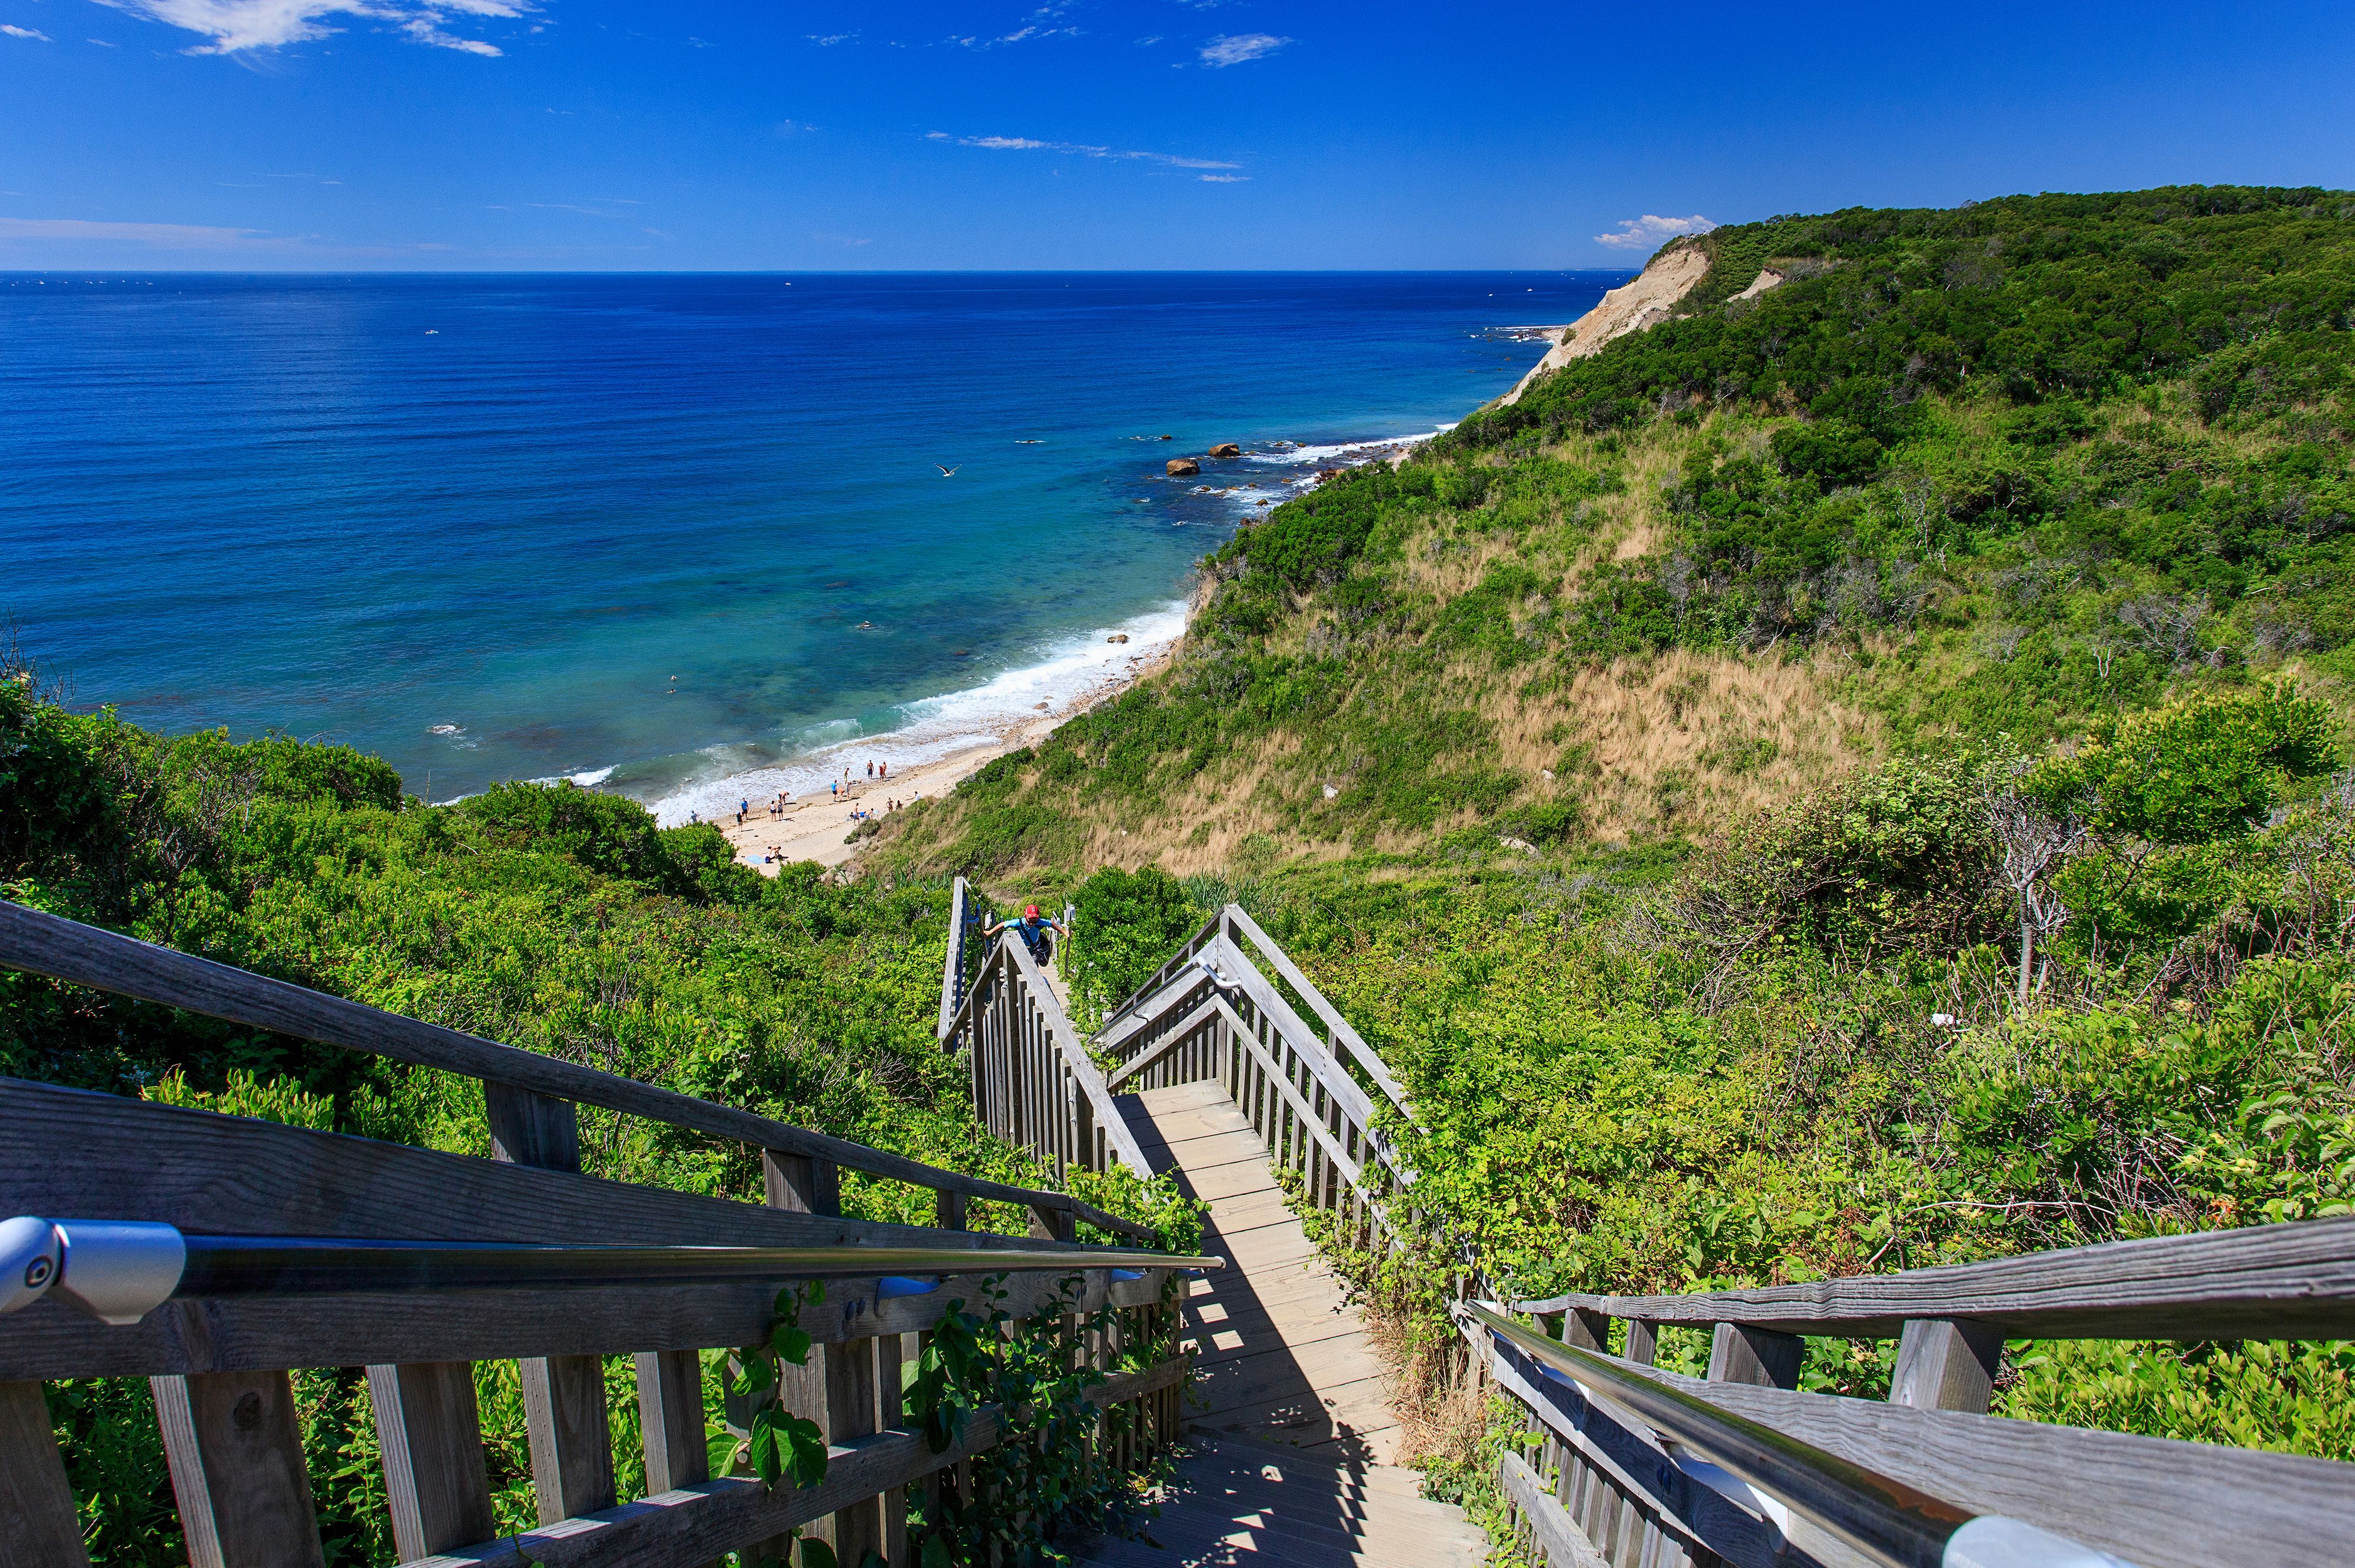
(1036, 931)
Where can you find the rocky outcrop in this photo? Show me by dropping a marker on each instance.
(1666, 280)
(1181, 468)
(1226, 449)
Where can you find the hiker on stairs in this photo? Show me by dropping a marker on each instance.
(1038, 933)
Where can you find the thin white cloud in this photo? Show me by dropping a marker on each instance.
(830, 39)
(232, 25)
(1234, 48)
(1648, 231)
(853, 240)
(170, 236)
(101, 43)
(1030, 34)
(1078, 149)
(16, 32)
(1223, 179)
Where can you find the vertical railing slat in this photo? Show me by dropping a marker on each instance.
(235, 1450)
(38, 1522)
(436, 1481)
(563, 1396)
(671, 1418)
(1947, 1364)
(1739, 1353)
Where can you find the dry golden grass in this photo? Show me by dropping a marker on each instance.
(1653, 745)
(1644, 746)
(1443, 1412)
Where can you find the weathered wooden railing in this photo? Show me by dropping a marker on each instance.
(1209, 1014)
(1310, 1091)
(966, 918)
(221, 1365)
(1648, 1488)
(1033, 1082)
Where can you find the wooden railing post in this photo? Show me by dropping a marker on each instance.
(563, 1396)
(38, 1522)
(851, 1401)
(948, 1213)
(1586, 1329)
(670, 1416)
(1737, 1354)
(1642, 1342)
(837, 1389)
(1947, 1363)
(1053, 1224)
(436, 1482)
(235, 1450)
(890, 1408)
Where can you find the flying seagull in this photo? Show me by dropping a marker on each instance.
(947, 473)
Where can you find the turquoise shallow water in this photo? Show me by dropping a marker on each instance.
(654, 531)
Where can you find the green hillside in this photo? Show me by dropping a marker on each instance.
(1661, 772)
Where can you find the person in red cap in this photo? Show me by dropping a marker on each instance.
(1036, 931)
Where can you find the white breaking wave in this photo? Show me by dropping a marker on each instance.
(932, 727)
(1341, 451)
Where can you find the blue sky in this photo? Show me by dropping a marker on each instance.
(409, 134)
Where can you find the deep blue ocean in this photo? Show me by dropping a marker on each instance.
(655, 532)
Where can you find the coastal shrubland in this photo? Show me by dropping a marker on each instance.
(1849, 778)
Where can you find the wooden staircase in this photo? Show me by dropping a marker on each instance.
(1221, 1084)
(1292, 1434)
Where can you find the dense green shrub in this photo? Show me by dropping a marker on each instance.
(552, 919)
(1124, 925)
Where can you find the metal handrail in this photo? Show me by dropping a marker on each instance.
(1883, 1520)
(120, 1270)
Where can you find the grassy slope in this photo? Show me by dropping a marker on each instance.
(1996, 471)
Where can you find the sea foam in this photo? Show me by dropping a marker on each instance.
(1065, 673)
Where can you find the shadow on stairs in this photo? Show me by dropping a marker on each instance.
(1292, 1437)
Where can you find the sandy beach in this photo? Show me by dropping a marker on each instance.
(814, 826)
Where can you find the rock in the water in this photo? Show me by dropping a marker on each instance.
(1226, 448)
(1181, 467)
(1117, 636)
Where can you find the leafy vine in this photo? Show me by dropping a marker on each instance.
(1051, 1474)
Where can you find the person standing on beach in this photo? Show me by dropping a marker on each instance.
(883, 770)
